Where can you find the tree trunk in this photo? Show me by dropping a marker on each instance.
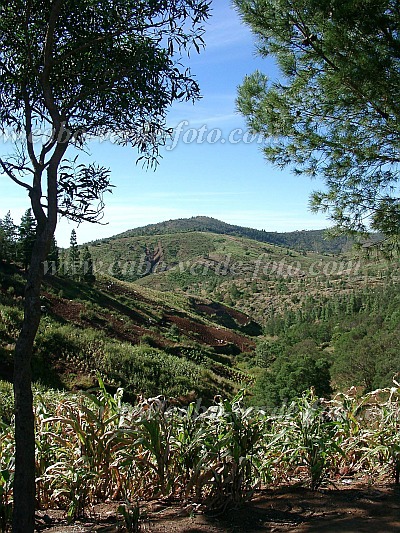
(24, 481)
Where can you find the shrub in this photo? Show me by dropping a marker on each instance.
(6, 402)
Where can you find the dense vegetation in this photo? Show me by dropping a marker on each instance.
(350, 340)
(16, 241)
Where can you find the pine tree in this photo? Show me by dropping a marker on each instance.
(116, 270)
(74, 263)
(334, 113)
(53, 259)
(87, 266)
(26, 240)
(2, 241)
(10, 237)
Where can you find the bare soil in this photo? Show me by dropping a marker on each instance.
(350, 508)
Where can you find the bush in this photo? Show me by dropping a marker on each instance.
(6, 402)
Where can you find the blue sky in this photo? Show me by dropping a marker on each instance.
(224, 180)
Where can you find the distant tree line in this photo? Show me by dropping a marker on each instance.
(16, 244)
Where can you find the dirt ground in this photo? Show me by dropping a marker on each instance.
(351, 508)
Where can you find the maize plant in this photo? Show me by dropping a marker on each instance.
(232, 457)
(384, 435)
(6, 475)
(310, 438)
(155, 454)
(190, 449)
(76, 450)
(352, 417)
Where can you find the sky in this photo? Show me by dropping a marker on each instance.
(208, 168)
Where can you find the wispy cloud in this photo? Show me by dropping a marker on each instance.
(183, 196)
(227, 31)
(214, 108)
(200, 119)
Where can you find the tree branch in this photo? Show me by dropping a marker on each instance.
(48, 64)
(52, 183)
(28, 129)
(319, 51)
(13, 177)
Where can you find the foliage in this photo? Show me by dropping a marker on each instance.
(6, 402)
(310, 438)
(290, 375)
(334, 113)
(8, 238)
(74, 254)
(131, 515)
(140, 369)
(6, 475)
(54, 257)
(87, 266)
(144, 40)
(116, 270)
(356, 332)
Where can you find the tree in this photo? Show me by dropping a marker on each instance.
(2, 242)
(116, 269)
(293, 373)
(27, 236)
(10, 237)
(335, 113)
(53, 257)
(74, 263)
(70, 70)
(87, 266)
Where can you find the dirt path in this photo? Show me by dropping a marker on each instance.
(359, 509)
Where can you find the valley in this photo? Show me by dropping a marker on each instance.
(180, 310)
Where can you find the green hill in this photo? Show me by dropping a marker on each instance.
(258, 278)
(311, 240)
(224, 254)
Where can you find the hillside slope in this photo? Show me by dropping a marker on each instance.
(146, 341)
(201, 253)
